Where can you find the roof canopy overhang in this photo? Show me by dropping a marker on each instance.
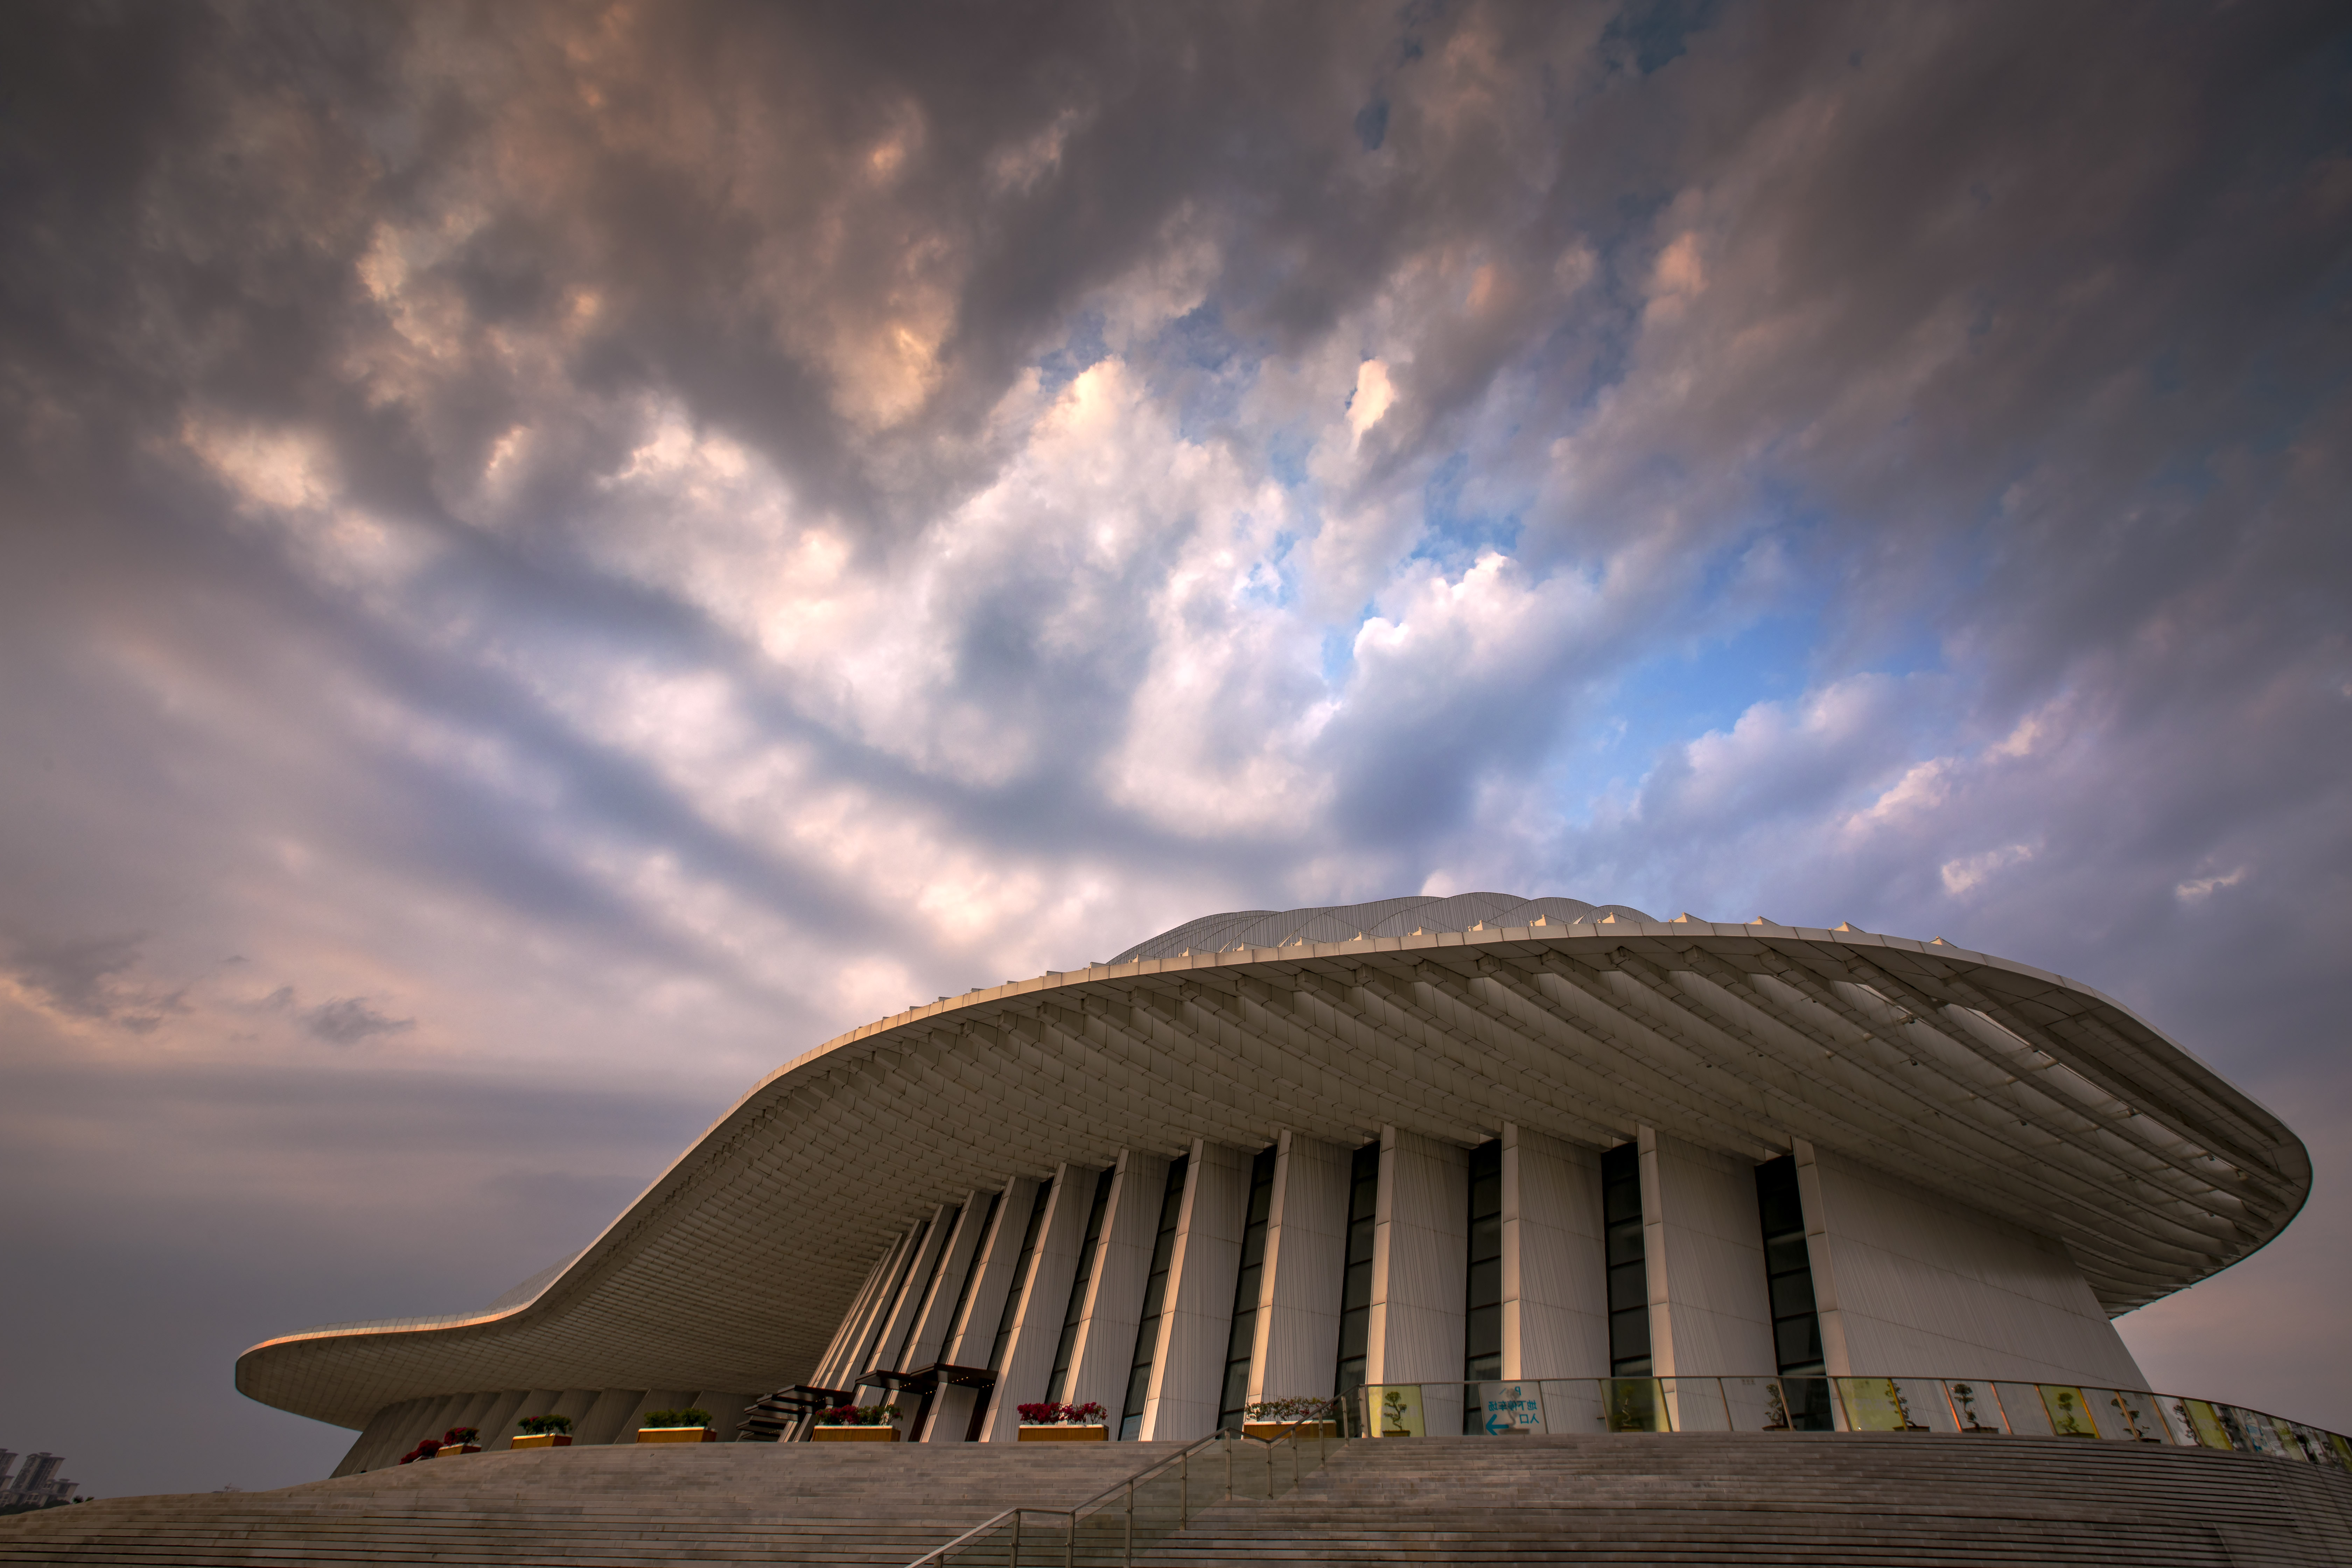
(1998, 1086)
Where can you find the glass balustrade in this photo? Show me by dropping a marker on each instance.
(1945, 1405)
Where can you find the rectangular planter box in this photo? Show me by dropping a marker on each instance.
(677, 1434)
(1268, 1431)
(853, 1435)
(1061, 1434)
(542, 1440)
(448, 1449)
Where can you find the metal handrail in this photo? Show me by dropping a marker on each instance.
(1183, 1456)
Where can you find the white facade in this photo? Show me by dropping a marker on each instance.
(1993, 1161)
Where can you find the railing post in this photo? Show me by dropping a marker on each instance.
(1185, 1492)
(1016, 1539)
(1070, 1542)
(1227, 1438)
(1127, 1554)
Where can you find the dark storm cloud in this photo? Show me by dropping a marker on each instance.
(635, 538)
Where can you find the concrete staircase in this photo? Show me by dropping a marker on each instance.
(1748, 1499)
(1752, 1498)
(876, 1504)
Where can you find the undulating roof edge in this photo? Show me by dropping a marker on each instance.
(642, 1305)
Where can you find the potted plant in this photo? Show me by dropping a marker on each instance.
(688, 1426)
(856, 1424)
(1047, 1422)
(460, 1440)
(426, 1448)
(543, 1432)
(1272, 1419)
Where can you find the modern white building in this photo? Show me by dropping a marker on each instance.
(1281, 1154)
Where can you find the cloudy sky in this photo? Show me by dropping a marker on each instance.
(556, 557)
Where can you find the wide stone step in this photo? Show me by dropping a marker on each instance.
(880, 1505)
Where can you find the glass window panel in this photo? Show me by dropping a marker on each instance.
(1798, 1342)
(2124, 1416)
(1487, 1237)
(2021, 1405)
(1925, 1409)
(1754, 1404)
(1633, 1405)
(1629, 1333)
(1236, 1393)
(1627, 1289)
(1787, 1255)
(1793, 1294)
(1496, 1409)
(1974, 1406)
(1485, 1283)
(1871, 1404)
(1625, 1246)
(1810, 1402)
(1571, 1404)
(1242, 1336)
(1695, 1404)
(2070, 1413)
(1482, 1333)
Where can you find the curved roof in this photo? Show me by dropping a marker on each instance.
(1420, 915)
(2012, 1091)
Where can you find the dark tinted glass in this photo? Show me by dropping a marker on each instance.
(1021, 1269)
(1155, 1295)
(1356, 1284)
(1788, 1267)
(1792, 1296)
(1799, 1342)
(1628, 1289)
(1629, 1276)
(1241, 1341)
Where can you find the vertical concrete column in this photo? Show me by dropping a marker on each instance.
(972, 1334)
(1038, 1312)
(610, 1414)
(384, 1438)
(1420, 1258)
(1105, 1348)
(837, 1350)
(498, 1422)
(1196, 1313)
(1836, 1359)
(881, 1356)
(1298, 1287)
(840, 1369)
(1555, 1267)
(1906, 1278)
(1703, 1244)
(934, 1318)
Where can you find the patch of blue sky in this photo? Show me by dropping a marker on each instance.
(1202, 369)
(1655, 32)
(1457, 529)
(1082, 348)
(1683, 692)
(1340, 649)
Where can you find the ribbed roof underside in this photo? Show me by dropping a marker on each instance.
(2008, 1090)
(1422, 915)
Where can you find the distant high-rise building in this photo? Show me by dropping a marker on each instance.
(37, 1481)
